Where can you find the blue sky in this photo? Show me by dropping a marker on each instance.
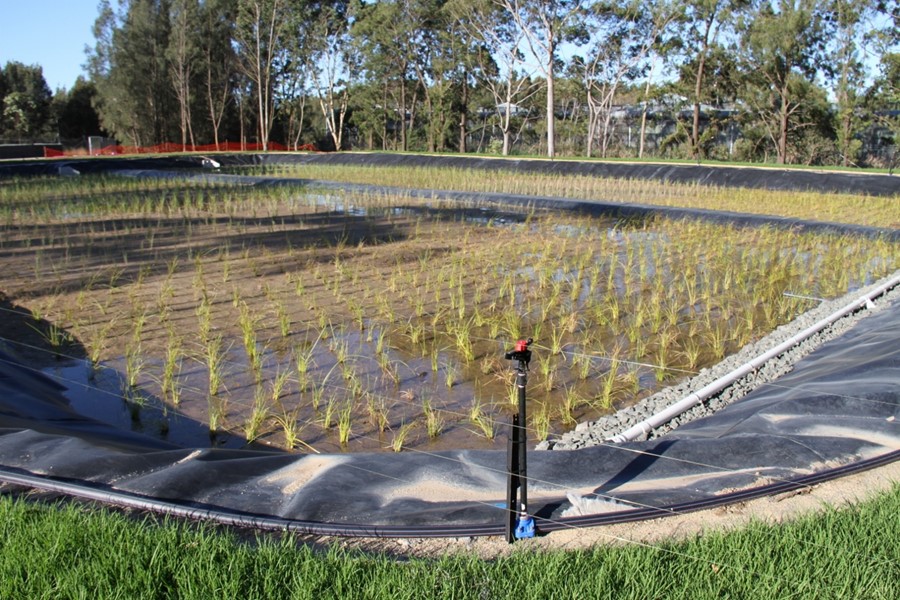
(51, 33)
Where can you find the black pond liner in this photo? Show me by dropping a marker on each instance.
(769, 178)
(837, 412)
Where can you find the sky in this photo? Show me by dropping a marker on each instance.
(50, 33)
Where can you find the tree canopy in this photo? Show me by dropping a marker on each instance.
(784, 80)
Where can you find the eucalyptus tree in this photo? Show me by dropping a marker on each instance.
(260, 31)
(657, 38)
(704, 28)
(292, 86)
(435, 66)
(502, 66)
(782, 47)
(333, 62)
(624, 33)
(183, 52)
(463, 53)
(545, 25)
(382, 36)
(852, 28)
(217, 61)
(882, 99)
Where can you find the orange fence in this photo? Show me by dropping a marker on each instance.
(170, 148)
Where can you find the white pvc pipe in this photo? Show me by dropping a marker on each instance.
(667, 414)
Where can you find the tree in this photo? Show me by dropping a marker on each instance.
(848, 21)
(433, 66)
(783, 46)
(261, 27)
(882, 100)
(368, 114)
(217, 60)
(182, 54)
(129, 67)
(75, 111)
(545, 24)
(657, 21)
(463, 54)
(383, 38)
(624, 35)
(3, 88)
(25, 101)
(333, 64)
(502, 67)
(703, 24)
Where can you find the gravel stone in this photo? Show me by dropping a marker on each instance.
(592, 433)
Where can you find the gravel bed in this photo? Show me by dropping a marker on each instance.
(596, 432)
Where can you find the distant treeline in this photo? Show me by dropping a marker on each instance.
(790, 81)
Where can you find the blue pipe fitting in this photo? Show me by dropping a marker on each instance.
(525, 528)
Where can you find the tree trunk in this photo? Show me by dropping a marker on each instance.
(463, 116)
(644, 111)
(847, 126)
(551, 133)
(783, 129)
(214, 117)
(591, 127)
(695, 129)
(604, 141)
(241, 121)
(698, 82)
(403, 113)
(429, 131)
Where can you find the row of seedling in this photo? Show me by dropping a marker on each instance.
(832, 207)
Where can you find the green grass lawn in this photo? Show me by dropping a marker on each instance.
(68, 551)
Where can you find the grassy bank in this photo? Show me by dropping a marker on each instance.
(66, 551)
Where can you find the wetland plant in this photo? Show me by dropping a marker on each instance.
(216, 412)
(400, 436)
(134, 358)
(344, 423)
(172, 368)
(291, 427)
(434, 422)
(540, 421)
(214, 357)
(259, 413)
(483, 422)
(378, 413)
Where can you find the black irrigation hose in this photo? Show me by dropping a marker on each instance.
(89, 491)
